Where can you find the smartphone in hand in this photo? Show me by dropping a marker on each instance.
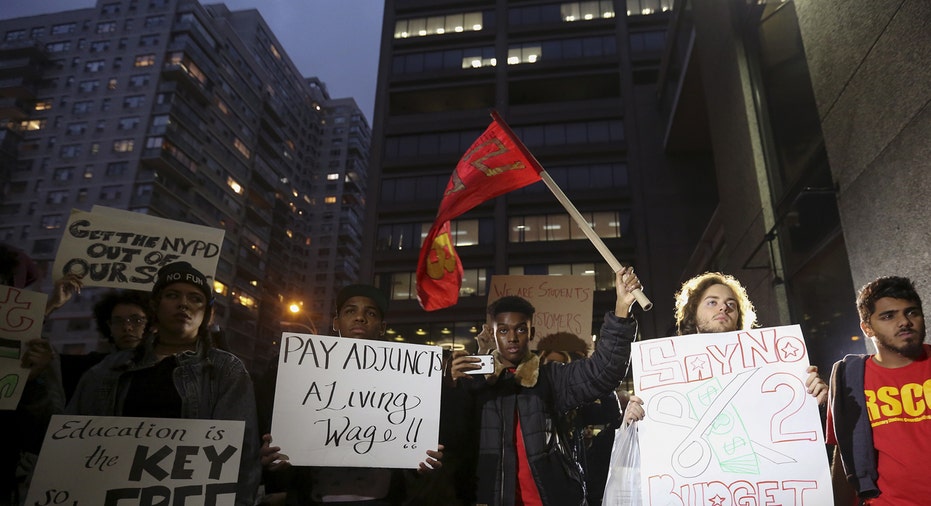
(487, 363)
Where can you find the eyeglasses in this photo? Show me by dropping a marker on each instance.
(132, 321)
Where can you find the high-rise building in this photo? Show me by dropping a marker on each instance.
(187, 112)
(577, 82)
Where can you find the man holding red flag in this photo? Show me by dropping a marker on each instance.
(495, 164)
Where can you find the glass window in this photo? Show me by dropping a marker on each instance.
(106, 27)
(123, 145)
(63, 28)
(144, 60)
(646, 7)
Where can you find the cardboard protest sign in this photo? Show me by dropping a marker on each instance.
(122, 249)
(356, 403)
(110, 461)
(562, 303)
(21, 316)
(729, 420)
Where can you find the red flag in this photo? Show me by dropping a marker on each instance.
(495, 164)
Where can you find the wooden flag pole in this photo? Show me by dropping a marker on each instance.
(570, 208)
(602, 248)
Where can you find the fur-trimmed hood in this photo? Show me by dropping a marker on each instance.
(527, 372)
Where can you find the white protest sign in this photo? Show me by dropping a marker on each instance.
(356, 403)
(21, 316)
(562, 303)
(122, 249)
(729, 420)
(124, 461)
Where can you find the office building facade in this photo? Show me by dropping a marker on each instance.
(576, 81)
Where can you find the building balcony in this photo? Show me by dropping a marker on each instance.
(165, 165)
(18, 87)
(179, 74)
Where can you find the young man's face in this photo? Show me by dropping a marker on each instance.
(717, 310)
(360, 318)
(898, 326)
(127, 324)
(180, 311)
(513, 333)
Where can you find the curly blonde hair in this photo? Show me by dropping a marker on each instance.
(689, 296)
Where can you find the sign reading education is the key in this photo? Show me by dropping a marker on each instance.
(729, 420)
(122, 249)
(124, 461)
(356, 403)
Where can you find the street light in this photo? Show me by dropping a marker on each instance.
(296, 310)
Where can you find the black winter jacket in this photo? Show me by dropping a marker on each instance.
(539, 394)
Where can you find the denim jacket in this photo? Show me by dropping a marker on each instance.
(212, 384)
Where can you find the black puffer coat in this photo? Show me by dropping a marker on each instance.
(539, 394)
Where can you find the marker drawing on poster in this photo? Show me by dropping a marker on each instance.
(562, 303)
(121, 249)
(125, 461)
(355, 402)
(21, 316)
(729, 420)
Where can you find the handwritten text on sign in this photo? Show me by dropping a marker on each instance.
(729, 420)
(562, 303)
(123, 461)
(126, 250)
(21, 315)
(356, 403)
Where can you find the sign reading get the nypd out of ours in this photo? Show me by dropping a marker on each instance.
(124, 461)
(562, 303)
(122, 249)
(21, 316)
(729, 420)
(355, 402)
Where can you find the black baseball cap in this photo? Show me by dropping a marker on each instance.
(360, 290)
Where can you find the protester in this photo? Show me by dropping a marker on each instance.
(122, 319)
(715, 302)
(523, 456)
(879, 417)
(360, 314)
(593, 424)
(42, 395)
(176, 373)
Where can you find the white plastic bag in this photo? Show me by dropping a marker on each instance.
(623, 485)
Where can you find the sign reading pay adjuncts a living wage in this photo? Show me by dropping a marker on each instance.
(356, 403)
(729, 420)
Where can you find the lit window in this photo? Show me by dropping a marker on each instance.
(246, 301)
(236, 187)
(332, 176)
(330, 200)
(524, 53)
(145, 60)
(35, 124)
(438, 25)
(241, 147)
(43, 105)
(123, 145)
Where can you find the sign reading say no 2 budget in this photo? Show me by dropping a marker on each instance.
(729, 420)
